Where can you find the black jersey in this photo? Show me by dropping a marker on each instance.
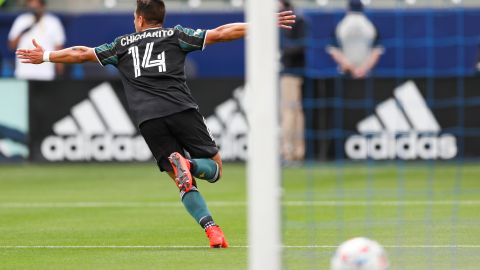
(152, 68)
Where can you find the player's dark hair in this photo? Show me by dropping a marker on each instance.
(153, 11)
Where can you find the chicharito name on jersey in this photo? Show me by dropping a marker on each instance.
(125, 41)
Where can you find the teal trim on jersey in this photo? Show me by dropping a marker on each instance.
(107, 53)
(190, 39)
(199, 33)
(189, 47)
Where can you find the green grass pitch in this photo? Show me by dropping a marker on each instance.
(129, 216)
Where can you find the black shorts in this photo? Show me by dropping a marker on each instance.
(181, 132)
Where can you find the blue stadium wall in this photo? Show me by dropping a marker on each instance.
(436, 49)
(419, 43)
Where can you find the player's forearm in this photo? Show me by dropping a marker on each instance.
(59, 68)
(227, 32)
(234, 31)
(73, 55)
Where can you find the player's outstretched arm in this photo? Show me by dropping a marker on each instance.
(234, 31)
(73, 55)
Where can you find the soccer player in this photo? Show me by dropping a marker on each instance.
(151, 64)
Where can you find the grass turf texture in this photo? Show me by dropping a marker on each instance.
(324, 205)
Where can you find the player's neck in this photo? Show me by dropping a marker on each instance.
(152, 26)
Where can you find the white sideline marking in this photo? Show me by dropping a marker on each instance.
(379, 203)
(206, 247)
(232, 204)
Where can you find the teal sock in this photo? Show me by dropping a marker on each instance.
(195, 205)
(206, 169)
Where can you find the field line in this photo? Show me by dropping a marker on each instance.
(235, 204)
(206, 247)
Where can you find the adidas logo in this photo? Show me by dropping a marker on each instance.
(403, 127)
(229, 127)
(98, 129)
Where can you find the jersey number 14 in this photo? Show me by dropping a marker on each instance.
(147, 61)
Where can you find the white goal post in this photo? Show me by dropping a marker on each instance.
(263, 169)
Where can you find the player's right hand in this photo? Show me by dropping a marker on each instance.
(31, 56)
(286, 19)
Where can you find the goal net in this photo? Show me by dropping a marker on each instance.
(393, 157)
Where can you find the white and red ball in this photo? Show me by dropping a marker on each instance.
(360, 254)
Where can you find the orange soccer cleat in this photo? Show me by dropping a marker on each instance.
(216, 237)
(181, 168)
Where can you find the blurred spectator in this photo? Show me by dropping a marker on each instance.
(356, 47)
(291, 83)
(477, 66)
(47, 29)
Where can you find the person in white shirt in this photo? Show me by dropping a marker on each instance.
(47, 29)
(356, 49)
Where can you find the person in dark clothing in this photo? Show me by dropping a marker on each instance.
(291, 84)
(477, 64)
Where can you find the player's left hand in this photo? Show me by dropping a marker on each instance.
(286, 19)
(360, 73)
(31, 56)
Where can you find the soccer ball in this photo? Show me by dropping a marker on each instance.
(360, 254)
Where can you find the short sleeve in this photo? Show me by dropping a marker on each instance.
(334, 43)
(19, 25)
(377, 41)
(191, 40)
(107, 53)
